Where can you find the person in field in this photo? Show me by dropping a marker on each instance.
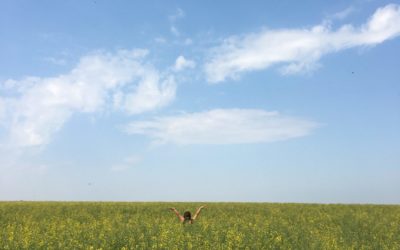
(187, 216)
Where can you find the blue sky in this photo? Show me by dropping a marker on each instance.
(200, 101)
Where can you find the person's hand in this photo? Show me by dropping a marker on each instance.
(203, 207)
(172, 208)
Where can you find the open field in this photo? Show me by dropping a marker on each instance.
(107, 225)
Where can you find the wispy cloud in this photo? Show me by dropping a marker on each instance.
(153, 91)
(223, 126)
(56, 61)
(179, 14)
(343, 14)
(160, 40)
(183, 63)
(174, 30)
(188, 41)
(37, 107)
(126, 163)
(3, 109)
(298, 50)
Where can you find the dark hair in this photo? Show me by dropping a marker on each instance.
(187, 216)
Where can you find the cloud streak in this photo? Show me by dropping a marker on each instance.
(222, 126)
(342, 14)
(297, 50)
(37, 107)
(179, 14)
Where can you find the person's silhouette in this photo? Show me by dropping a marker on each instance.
(187, 216)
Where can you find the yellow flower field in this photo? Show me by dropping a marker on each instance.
(134, 225)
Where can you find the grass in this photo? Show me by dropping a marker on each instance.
(136, 225)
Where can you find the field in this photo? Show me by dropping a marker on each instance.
(107, 225)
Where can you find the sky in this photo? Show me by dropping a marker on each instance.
(248, 101)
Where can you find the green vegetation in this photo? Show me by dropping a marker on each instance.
(107, 225)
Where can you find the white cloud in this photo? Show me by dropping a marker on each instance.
(56, 61)
(173, 18)
(38, 107)
(160, 40)
(151, 93)
(297, 49)
(182, 63)
(174, 30)
(344, 13)
(127, 163)
(188, 41)
(179, 13)
(222, 126)
(2, 109)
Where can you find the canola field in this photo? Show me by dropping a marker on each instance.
(135, 225)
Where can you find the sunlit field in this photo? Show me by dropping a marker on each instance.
(106, 225)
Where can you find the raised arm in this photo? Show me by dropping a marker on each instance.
(198, 212)
(177, 214)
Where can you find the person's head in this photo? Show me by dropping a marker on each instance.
(187, 216)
